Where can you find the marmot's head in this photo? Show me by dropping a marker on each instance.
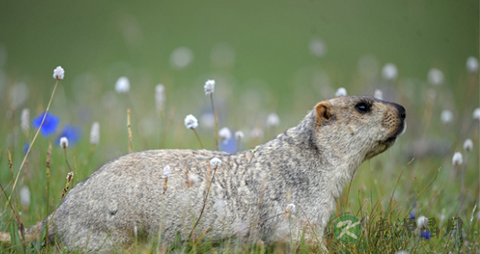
(358, 126)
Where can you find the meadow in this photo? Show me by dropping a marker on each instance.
(270, 68)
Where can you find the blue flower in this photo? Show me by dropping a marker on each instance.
(426, 234)
(25, 147)
(71, 132)
(412, 216)
(49, 125)
(230, 146)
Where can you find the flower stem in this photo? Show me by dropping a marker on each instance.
(215, 119)
(197, 137)
(31, 143)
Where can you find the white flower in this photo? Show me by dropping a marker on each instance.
(166, 171)
(317, 47)
(472, 64)
(63, 142)
(191, 122)
(389, 71)
(225, 134)
(273, 120)
(290, 208)
(435, 77)
(476, 114)
(215, 162)
(239, 135)
(192, 179)
(25, 196)
(341, 92)
(422, 222)
(160, 97)
(447, 116)
(95, 133)
(181, 57)
(468, 145)
(378, 94)
(209, 87)
(25, 120)
(457, 159)
(70, 175)
(122, 85)
(256, 133)
(58, 73)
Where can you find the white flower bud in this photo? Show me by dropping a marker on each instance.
(468, 145)
(25, 120)
(191, 122)
(447, 116)
(378, 94)
(166, 171)
(422, 222)
(435, 77)
(63, 142)
(457, 159)
(209, 87)
(239, 135)
(290, 208)
(160, 97)
(122, 85)
(476, 114)
(95, 133)
(215, 163)
(472, 64)
(389, 71)
(273, 120)
(58, 73)
(341, 92)
(225, 134)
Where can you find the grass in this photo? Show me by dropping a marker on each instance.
(411, 178)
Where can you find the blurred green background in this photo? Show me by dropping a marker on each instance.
(266, 56)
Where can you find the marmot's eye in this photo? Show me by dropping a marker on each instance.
(363, 107)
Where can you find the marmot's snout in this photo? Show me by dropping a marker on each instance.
(395, 120)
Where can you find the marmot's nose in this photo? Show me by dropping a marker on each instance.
(401, 110)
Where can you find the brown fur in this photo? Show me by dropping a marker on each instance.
(308, 166)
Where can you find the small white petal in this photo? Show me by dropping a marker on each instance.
(447, 116)
(472, 64)
(422, 222)
(290, 208)
(166, 171)
(225, 134)
(239, 135)
(476, 114)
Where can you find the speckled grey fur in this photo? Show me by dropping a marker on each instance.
(308, 166)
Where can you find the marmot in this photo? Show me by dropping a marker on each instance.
(307, 166)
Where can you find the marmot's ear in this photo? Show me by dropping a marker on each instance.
(324, 111)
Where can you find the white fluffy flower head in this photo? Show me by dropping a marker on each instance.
(435, 77)
(476, 114)
(290, 208)
(69, 175)
(378, 94)
(122, 85)
(160, 97)
(58, 73)
(25, 120)
(191, 122)
(273, 120)
(95, 133)
(472, 64)
(447, 116)
(225, 133)
(422, 222)
(389, 71)
(341, 92)
(457, 159)
(239, 135)
(63, 142)
(468, 145)
(209, 87)
(215, 163)
(166, 171)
